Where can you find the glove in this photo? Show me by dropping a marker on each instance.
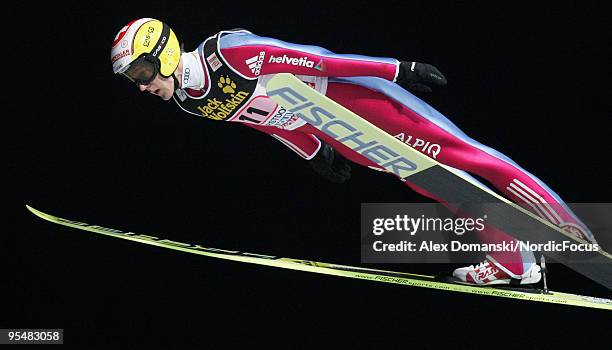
(331, 165)
(412, 75)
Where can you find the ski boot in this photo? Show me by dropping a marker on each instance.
(490, 272)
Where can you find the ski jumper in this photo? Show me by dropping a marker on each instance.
(224, 79)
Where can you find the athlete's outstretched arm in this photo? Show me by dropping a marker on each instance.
(254, 55)
(284, 57)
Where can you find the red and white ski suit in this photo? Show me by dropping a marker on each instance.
(366, 85)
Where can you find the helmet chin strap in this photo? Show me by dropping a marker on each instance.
(176, 83)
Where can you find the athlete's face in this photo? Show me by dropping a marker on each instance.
(160, 86)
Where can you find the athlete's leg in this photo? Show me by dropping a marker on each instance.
(433, 134)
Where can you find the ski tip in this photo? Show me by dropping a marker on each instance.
(36, 212)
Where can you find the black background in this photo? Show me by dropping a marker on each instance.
(530, 81)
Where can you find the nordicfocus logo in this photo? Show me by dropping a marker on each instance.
(256, 62)
(302, 62)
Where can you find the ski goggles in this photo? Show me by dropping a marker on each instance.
(146, 67)
(142, 71)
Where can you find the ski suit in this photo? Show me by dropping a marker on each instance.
(224, 79)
